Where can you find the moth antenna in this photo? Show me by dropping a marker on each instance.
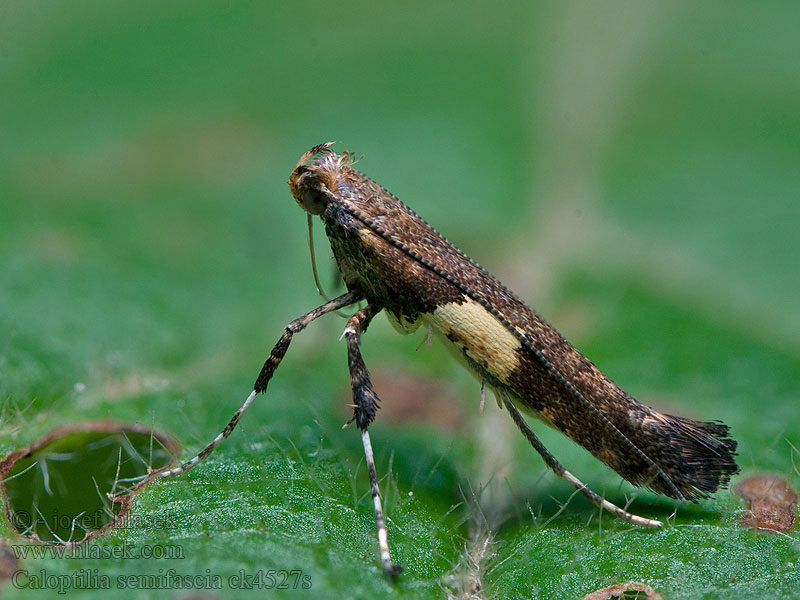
(314, 259)
(314, 267)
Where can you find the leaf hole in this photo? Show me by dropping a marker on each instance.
(78, 480)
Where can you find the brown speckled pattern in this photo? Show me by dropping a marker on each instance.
(393, 258)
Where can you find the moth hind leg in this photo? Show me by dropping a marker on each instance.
(365, 406)
(559, 469)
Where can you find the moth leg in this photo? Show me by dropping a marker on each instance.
(265, 375)
(365, 405)
(559, 470)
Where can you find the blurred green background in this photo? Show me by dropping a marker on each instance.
(631, 170)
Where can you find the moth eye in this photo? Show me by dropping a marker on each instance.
(314, 201)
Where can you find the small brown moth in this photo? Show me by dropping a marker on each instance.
(392, 259)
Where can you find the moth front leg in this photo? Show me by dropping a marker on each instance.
(365, 405)
(273, 360)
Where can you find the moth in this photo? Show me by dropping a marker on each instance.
(394, 261)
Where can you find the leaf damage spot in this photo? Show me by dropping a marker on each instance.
(9, 563)
(633, 590)
(413, 399)
(772, 503)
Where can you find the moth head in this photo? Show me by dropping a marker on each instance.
(312, 179)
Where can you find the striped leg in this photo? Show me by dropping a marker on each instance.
(267, 371)
(365, 405)
(559, 470)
